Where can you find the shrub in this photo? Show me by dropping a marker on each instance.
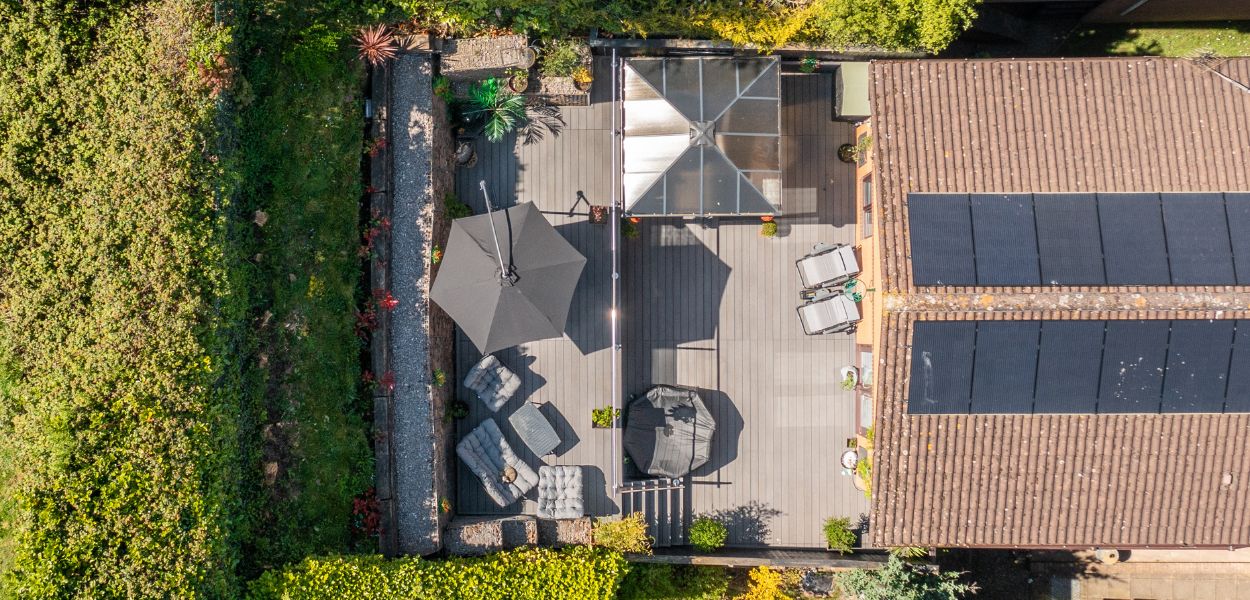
(838, 534)
(455, 208)
(647, 581)
(442, 89)
(708, 534)
(766, 584)
(909, 551)
(627, 534)
(496, 111)
(898, 580)
(604, 417)
(525, 574)
(768, 229)
(809, 64)
(629, 229)
(561, 57)
(376, 44)
(863, 469)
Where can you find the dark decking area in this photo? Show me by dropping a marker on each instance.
(706, 304)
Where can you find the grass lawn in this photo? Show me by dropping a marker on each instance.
(1227, 38)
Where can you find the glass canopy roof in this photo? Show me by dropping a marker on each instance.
(702, 136)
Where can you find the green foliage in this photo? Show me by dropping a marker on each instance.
(299, 161)
(442, 89)
(604, 417)
(863, 469)
(525, 574)
(118, 398)
(560, 57)
(838, 534)
(627, 534)
(629, 229)
(768, 229)
(898, 580)
(708, 534)
(928, 25)
(455, 208)
(809, 64)
(646, 581)
(494, 110)
(909, 551)
(439, 378)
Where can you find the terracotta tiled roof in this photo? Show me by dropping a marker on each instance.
(1105, 125)
(1058, 125)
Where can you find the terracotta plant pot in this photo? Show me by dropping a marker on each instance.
(519, 83)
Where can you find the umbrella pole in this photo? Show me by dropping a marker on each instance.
(504, 275)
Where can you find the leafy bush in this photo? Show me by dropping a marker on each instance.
(627, 534)
(768, 229)
(708, 534)
(766, 584)
(525, 574)
(647, 581)
(838, 534)
(561, 57)
(629, 229)
(455, 208)
(898, 580)
(604, 417)
(495, 111)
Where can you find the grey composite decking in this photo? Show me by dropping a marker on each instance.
(707, 304)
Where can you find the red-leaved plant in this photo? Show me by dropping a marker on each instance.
(366, 513)
(385, 300)
(377, 44)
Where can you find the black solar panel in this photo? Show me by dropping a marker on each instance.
(1133, 242)
(1197, 239)
(1069, 239)
(1005, 240)
(1133, 359)
(1080, 239)
(1068, 367)
(1005, 366)
(941, 367)
(1237, 209)
(1080, 367)
(1237, 398)
(941, 239)
(1197, 367)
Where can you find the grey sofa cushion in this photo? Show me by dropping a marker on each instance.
(486, 453)
(493, 383)
(560, 492)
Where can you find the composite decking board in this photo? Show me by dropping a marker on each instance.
(733, 334)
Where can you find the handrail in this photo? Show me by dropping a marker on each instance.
(614, 225)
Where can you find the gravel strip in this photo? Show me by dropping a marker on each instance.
(413, 440)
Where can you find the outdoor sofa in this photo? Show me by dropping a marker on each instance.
(489, 456)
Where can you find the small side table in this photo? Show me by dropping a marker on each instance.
(534, 430)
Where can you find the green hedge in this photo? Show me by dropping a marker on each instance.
(526, 574)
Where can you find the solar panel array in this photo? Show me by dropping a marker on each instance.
(1080, 239)
(1084, 367)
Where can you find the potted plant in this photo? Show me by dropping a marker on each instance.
(518, 80)
(862, 146)
(808, 64)
(839, 536)
(598, 214)
(629, 228)
(582, 77)
(768, 229)
(850, 378)
(846, 153)
(604, 418)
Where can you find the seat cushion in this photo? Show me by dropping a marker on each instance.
(493, 383)
(560, 492)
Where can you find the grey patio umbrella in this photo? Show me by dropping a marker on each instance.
(509, 281)
(668, 431)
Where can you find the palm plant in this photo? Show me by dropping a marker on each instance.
(496, 111)
(377, 44)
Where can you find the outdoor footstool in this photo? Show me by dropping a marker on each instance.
(505, 477)
(493, 383)
(560, 492)
(534, 430)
